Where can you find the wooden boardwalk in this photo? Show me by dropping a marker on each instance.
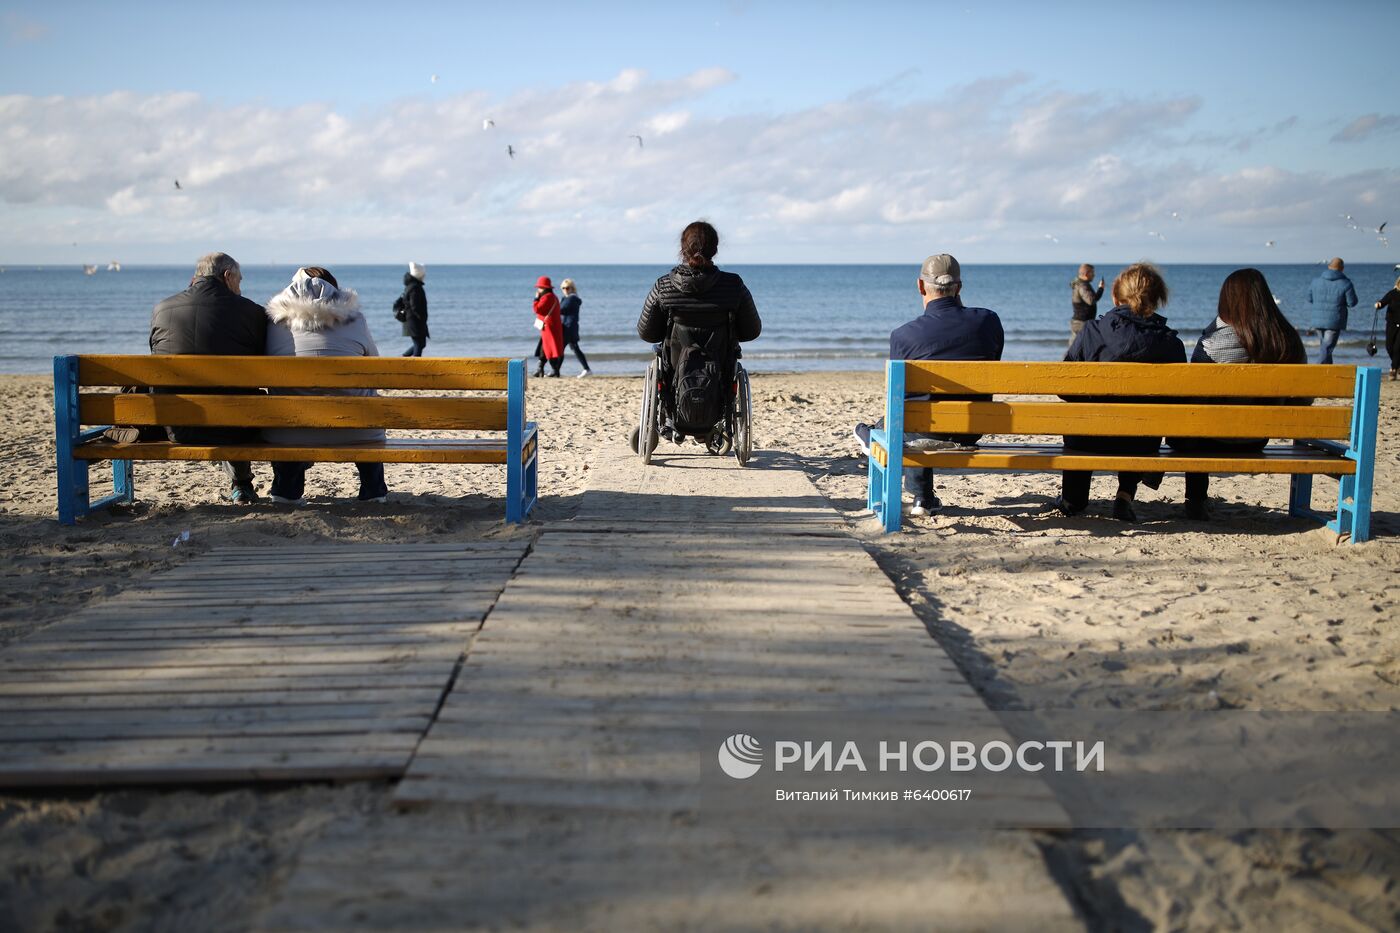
(557, 788)
(311, 661)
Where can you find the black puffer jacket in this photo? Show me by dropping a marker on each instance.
(415, 321)
(208, 318)
(699, 298)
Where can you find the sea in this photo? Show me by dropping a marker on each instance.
(815, 317)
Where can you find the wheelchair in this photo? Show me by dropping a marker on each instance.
(658, 418)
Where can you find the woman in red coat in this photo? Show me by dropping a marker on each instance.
(550, 325)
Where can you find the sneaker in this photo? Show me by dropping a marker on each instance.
(283, 500)
(1067, 509)
(243, 494)
(922, 506)
(935, 443)
(380, 499)
(586, 372)
(862, 435)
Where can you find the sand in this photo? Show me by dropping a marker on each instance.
(1254, 610)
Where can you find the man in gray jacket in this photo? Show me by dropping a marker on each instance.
(1083, 300)
(1330, 294)
(213, 317)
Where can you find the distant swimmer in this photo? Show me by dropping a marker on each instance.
(487, 124)
(177, 185)
(510, 151)
(638, 139)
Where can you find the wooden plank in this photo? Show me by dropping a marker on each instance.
(1040, 457)
(197, 749)
(1235, 380)
(296, 411)
(87, 642)
(1128, 419)
(41, 771)
(379, 372)
(313, 726)
(393, 450)
(368, 633)
(11, 719)
(178, 696)
(389, 656)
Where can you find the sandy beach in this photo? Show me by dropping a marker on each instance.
(1254, 610)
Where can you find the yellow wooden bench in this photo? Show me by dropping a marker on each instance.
(186, 383)
(1165, 402)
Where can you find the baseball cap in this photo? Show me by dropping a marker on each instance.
(941, 270)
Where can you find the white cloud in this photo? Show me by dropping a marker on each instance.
(995, 161)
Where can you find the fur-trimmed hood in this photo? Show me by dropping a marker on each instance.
(313, 305)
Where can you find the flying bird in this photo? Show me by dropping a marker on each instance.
(177, 185)
(637, 138)
(1052, 238)
(433, 79)
(510, 151)
(1268, 242)
(487, 124)
(1176, 215)
(1156, 234)
(1380, 231)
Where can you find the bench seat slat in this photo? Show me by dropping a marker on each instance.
(1050, 457)
(1238, 380)
(296, 411)
(393, 450)
(302, 372)
(1128, 419)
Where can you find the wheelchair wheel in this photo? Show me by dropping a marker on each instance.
(646, 430)
(743, 417)
(718, 443)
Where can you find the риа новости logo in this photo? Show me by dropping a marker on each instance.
(740, 756)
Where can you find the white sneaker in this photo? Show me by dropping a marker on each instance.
(586, 372)
(922, 507)
(283, 500)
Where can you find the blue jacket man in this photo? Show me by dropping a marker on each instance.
(1330, 294)
(947, 330)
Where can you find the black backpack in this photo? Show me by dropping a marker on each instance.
(699, 390)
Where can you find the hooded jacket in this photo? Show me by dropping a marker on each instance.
(415, 321)
(1330, 294)
(1120, 336)
(311, 317)
(699, 298)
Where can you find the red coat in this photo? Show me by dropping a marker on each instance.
(547, 310)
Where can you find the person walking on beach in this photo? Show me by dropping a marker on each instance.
(1133, 332)
(415, 309)
(1083, 300)
(568, 315)
(1330, 294)
(947, 330)
(314, 316)
(212, 317)
(550, 325)
(1391, 303)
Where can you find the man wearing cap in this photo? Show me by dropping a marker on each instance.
(947, 330)
(415, 309)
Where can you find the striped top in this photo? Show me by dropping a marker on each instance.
(1219, 344)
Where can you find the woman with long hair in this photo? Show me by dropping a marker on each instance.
(1248, 328)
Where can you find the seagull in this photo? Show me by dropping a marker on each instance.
(177, 185)
(487, 124)
(1268, 242)
(433, 79)
(1380, 231)
(510, 151)
(638, 139)
(1156, 234)
(1051, 238)
(1176, 215)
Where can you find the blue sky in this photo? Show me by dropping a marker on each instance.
(852, 132)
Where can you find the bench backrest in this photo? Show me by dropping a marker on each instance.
(1240, 399)
(185, 402)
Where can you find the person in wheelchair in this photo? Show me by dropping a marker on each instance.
(695, 317)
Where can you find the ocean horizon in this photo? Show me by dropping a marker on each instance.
(826, 316)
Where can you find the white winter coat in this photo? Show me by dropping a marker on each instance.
(311, 317)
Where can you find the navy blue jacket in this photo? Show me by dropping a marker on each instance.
(1120, 336)
(947, 330)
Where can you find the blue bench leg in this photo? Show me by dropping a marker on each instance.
(1300, 495)
(872, 485)
(123, 481)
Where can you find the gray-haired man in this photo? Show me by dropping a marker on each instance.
(212, 317)
(1083, 300)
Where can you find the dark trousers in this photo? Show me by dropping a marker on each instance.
(582, 360)
(1074, 484)
(289, 480)
(1392, 343)
(1198, 484)
(417, 348)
